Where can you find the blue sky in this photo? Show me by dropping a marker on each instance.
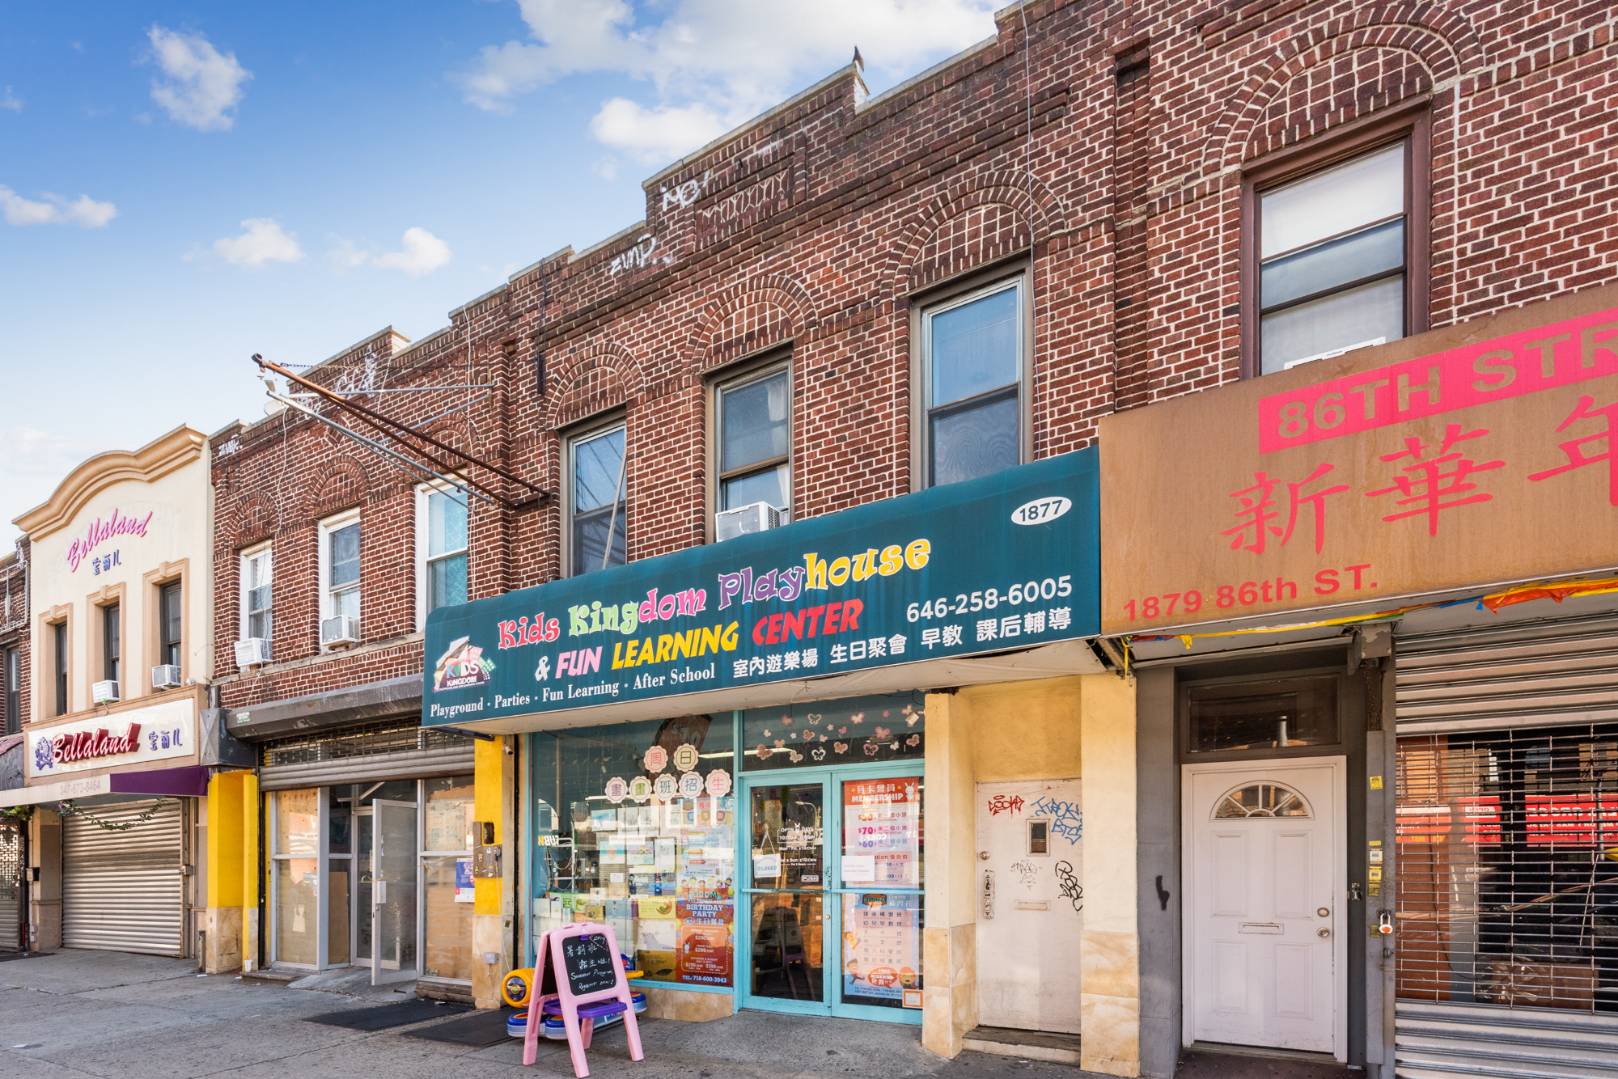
(182, 185)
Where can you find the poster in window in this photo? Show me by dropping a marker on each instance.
(704, 953)
(882, 949)
(449, 825)
(882, 823)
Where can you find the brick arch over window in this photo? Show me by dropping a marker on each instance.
(253, 519)
(752, 315)
(1436, 43)
(341, 485)
(591, 379)
(971, 225)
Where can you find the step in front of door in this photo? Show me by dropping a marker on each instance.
(1443, 1041)
(1024, 1044)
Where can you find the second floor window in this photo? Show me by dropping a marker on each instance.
(258, 571)
(596, 503)
(1333, 259)
(111, 624)
(441, 517)
(972, 374)
(59, 702)
(753, 441)
(170, 623)
(13, 676)
(340, 567)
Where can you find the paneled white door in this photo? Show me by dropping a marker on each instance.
(1264, 881)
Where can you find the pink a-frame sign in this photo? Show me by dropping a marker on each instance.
(583, 955)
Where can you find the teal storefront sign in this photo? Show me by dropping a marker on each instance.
(1005, 562)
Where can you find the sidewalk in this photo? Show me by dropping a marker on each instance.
(77, 1014)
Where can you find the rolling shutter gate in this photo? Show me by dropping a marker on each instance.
(393, 751)
(11, 886)
(123, 889)
(1507, 933)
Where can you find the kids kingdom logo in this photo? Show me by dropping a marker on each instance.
(462, 664)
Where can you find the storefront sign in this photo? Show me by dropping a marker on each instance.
(134, 736)
(102, 532)
(1450, 460)
(1006, 562)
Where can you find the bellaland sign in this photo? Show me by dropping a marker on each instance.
(1482, 453)
(1002, 563)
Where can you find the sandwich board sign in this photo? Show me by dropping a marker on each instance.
(579, 974)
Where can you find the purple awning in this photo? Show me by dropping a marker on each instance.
(188, 782)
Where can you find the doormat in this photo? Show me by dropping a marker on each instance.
(477, 1030)
(384, 1016)
(6, 957)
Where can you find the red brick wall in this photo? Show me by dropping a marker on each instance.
(14, 631)
(817, 227)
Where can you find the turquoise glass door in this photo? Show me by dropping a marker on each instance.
(832, 892)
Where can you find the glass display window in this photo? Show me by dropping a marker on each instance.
(854, 730)
(635, 828)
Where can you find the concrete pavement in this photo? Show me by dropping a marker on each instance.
(75, 1014)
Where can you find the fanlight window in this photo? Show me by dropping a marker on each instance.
(1261, 800)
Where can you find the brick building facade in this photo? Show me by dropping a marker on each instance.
(1106, 156)
(14, 638)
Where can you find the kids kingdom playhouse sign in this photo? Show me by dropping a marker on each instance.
(1006, 562)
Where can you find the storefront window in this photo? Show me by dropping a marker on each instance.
(1231, 717)
(1508, 864)
(855, 730)
(446, 873)
(635, 827)
(295, 852)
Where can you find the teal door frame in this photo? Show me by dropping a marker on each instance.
(832, 889)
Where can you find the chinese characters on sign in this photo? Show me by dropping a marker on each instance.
(1356, 478)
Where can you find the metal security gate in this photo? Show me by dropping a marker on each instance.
(1507, 850)
(123, 885)
(11, 886)
(396, 750)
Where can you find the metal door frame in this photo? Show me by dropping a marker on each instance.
(830, 779)
(400, 973)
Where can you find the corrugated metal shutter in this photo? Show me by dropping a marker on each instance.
(385, 751)
(11, 890)
(1507, 842)
(122, 890)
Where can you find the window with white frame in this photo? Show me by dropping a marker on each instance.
(753, 438)
(972, 376)
(257, 571)
(340, 566)
(1333, 251)
(441, 543)
(596, 503)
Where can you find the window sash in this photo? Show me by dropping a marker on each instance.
(345, 570)
(932, 411)
(729, 469)
(258, 593)
(615, 509)
(169, 623)
(13, 722)
(445, 564)
(110, 618)
(959, 408)
(59, 664)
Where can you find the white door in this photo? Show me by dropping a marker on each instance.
(1029, 904)
(1264, 864)
(393, 892)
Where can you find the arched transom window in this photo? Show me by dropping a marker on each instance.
(1261, 800)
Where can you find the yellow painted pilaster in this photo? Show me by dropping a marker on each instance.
(250, 870)
(494, 776)
(226, 854)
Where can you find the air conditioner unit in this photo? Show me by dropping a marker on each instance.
(252, 652)
(743, 520)
(104, 692)
(166, 676)
(340, 631)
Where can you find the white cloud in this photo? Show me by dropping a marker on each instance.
(419, 254)
(712, 64)
(51, 209)
(655, 135)
(10, 101)
(262, 241)
(201, 86)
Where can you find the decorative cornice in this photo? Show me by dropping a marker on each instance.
(152, 461)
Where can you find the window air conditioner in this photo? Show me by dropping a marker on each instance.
(743, 520)
(166, 676)
(339, 631)
(252, 652)
(104, 692)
